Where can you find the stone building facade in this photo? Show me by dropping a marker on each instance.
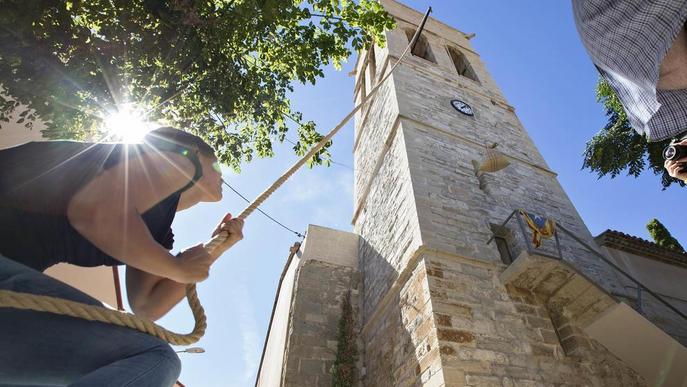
(436, 304)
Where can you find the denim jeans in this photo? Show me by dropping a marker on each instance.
(45, 349)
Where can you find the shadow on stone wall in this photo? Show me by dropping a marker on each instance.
(314, 324)
(378, 275)
(388, 350)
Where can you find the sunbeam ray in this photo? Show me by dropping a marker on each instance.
(172, 163)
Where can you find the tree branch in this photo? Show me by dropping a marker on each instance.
(325, 16)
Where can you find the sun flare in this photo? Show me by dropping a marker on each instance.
(127, 124)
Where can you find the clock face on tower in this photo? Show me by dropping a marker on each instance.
(462, 107)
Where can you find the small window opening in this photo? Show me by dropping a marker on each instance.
(504, 250)
(422, 48)
(503, 238)
(462, 65)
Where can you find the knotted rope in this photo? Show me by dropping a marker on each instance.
(26, 301)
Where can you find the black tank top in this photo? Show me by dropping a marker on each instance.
(37, 181)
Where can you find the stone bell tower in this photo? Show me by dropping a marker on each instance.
(440, 306)
(434, 303)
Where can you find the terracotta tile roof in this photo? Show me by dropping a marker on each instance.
(632, 244)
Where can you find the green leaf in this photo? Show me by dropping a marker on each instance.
(662, 236)
(617, 148)
(185, 63)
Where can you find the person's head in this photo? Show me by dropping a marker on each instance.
(209, 187)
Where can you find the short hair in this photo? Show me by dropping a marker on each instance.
(179, 137)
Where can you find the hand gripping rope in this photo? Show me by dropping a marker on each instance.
(17, 300)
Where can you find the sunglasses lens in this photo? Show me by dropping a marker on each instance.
(217, 167)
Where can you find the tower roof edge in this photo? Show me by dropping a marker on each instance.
(398, 9)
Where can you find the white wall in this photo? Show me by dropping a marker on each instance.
(662, 278)
(273, 357)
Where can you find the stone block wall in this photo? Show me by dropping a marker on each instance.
(452, 323)
(378, 116)
(426, 292)
(451, 208)
(400, 341)
(315, 314)
(490, 335)
(433, 311)
(441, 146)
(456, 208)
(388, 224)
(424, 97)
(439, 36)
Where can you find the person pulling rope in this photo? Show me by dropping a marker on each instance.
(94, 204)
(110, 204)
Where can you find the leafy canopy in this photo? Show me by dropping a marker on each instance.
(662, 236)
(219, 68)
(617, 147)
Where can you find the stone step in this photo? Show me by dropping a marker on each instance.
(532, 274)
(559, 284)
(557, 277)
(586, 301)
(655, 355)
(527, 271)
(568, 292)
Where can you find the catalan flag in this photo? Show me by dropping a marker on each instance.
(541, 227)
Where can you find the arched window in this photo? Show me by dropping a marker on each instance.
(462, 65)
(422, 48)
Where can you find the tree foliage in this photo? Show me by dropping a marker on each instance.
(662, 236)
(617, 147)
(219, 68)
(344, 369)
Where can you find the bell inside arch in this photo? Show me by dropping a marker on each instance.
(493, 160)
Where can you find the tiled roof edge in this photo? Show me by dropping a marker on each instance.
(632, 244)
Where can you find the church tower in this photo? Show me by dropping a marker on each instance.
(439, 305)
(447, 283)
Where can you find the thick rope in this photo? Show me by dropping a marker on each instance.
(26, 301)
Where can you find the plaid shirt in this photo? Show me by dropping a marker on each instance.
(627, 40)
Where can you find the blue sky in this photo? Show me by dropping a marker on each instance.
(532, 50)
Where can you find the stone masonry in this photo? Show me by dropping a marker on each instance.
(324, 271)
(433, 309)
(432, 299)
(315, 317)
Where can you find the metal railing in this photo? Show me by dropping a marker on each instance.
(641, 288)
(528, 244)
